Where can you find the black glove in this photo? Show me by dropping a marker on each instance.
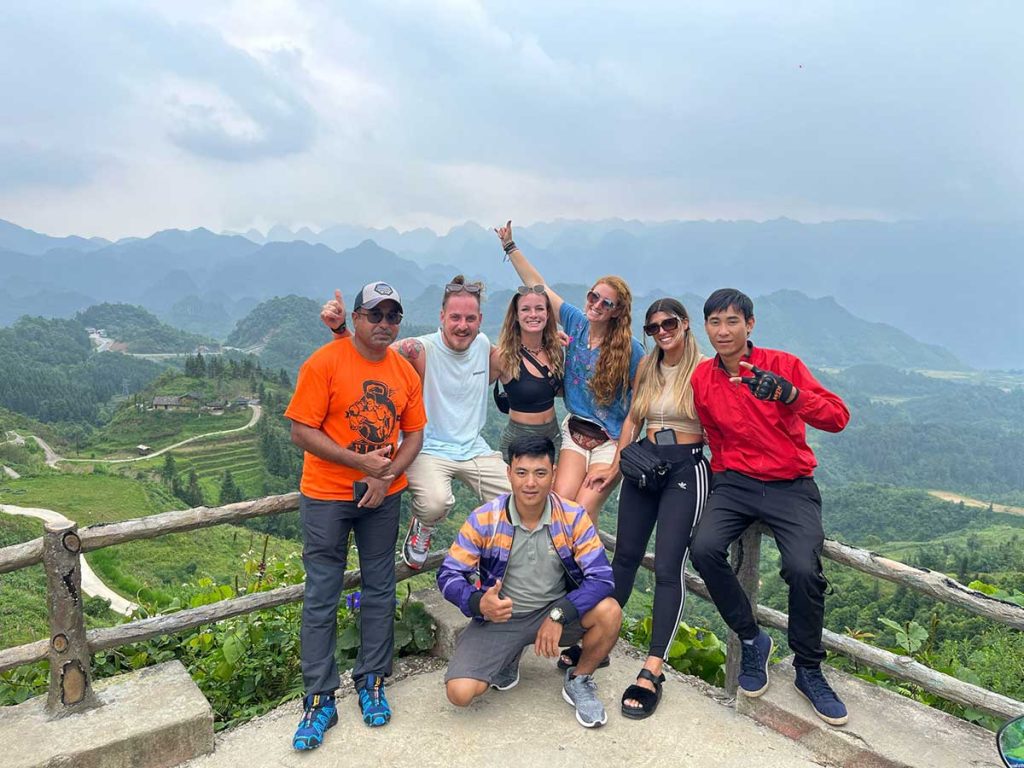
(766, 385)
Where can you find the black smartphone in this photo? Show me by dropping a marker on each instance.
(665, 437)
(359, 490)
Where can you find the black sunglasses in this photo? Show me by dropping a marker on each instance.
(668, 324)
(474, 288)
(526, 290)
(393, 316)
(593, 297)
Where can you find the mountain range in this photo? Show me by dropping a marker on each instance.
(932, 280)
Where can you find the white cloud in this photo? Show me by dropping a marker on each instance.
(257, 111)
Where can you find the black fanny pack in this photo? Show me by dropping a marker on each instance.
(642, 468)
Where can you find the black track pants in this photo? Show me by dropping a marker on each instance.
(675, 509)
(792, 510)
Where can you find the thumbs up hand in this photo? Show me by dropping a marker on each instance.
(494, 607)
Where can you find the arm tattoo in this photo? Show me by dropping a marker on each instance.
(411, 349)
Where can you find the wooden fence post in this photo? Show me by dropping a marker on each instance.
(745, 557)
(70, 674)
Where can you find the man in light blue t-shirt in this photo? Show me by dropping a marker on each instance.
(457, 365)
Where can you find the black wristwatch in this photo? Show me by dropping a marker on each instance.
(340, 329)
(556, 614)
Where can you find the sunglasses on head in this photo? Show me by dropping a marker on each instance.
(393, 316)
(526, 290)
(668, 324)
(593, 297)
(474, 288)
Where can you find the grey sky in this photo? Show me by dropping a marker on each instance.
(122, 118)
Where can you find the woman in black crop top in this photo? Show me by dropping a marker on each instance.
(529, 359)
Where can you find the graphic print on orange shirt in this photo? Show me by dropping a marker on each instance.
(373, 417)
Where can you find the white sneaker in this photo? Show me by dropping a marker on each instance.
(417, 544)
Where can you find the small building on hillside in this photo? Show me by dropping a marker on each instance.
(166, 402)
(143, 450)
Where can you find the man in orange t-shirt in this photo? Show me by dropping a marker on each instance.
(351, 400)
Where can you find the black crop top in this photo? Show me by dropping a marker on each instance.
(531, 393)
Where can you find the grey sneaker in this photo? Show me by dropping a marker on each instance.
(581, 693)
(508, 677)
(417, 544)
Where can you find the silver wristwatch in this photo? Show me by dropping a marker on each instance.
(557, 614)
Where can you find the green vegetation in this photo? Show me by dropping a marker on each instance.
(51, 374)
(139, 330)
(245, 666)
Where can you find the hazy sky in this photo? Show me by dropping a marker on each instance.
(127, 117)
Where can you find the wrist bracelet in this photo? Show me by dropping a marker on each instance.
(510, 246)
(340, 329)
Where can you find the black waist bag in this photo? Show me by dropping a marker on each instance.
(642, 468)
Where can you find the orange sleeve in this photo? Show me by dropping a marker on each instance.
(414, 417)
(312, 394)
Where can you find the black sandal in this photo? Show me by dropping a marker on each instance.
(648, 699)
(573, 653)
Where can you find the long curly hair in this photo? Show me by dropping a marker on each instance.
(510, 340)
(650, 382)
(611, 377)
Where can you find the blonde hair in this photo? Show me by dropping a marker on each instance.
(611, 376)
(650, 381)
(510, 340)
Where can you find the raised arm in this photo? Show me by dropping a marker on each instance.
(332, 314)
(526, 271)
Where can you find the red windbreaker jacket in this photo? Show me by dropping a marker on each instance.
(762, 439)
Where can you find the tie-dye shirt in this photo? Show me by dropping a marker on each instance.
(580, 365)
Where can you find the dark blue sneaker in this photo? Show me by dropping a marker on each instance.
(815, 688)
(373, 703)
(321, 714)
(753, 678)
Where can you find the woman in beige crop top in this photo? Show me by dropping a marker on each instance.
(663, 403)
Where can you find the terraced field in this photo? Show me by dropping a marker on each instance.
(239, 453)
(210, 458)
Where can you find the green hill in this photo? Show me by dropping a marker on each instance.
(50, 372)
(139, 330)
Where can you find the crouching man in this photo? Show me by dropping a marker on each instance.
(544, 580)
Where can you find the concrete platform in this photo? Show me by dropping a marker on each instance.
(885, 730)
(529, 726)
(153, 718)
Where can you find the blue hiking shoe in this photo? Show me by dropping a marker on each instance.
(373, 703)
(321, 714)
(753, 677)
(811, 683)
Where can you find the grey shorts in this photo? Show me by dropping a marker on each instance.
(513, 430)
(484, 649)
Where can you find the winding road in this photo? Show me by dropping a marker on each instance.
(91, 583)
(257, 413)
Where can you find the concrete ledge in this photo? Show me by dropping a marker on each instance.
(153, 718)
(885, 730)
(448, 620)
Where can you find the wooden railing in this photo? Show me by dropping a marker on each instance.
(70, 647)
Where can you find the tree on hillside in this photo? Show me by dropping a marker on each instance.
(169, 471)
(193, 493)
(229, 491)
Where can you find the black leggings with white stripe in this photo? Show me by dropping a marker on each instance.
(675, 510)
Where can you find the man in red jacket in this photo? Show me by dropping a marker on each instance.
(754, 405)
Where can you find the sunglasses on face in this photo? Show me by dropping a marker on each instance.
(593, 297)
(474, 288)
(668, 324)
(393, 316)
(526, 290)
